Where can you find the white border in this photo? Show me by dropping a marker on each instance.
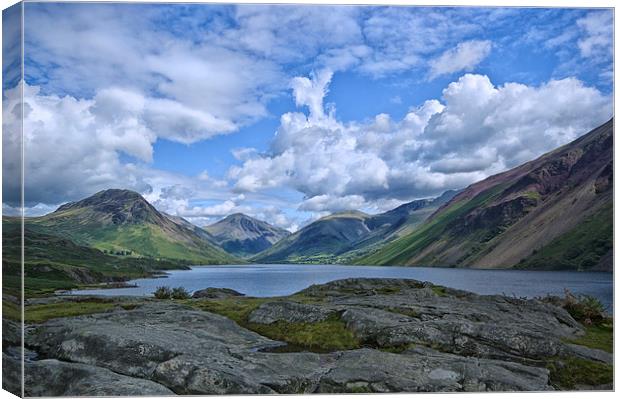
(483, 3)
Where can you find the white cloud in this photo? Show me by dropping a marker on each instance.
(325, 202)
(478, 129)
(189, 83)
(597, 40)
(464, 57)
(310, 92)
(68, 154)
(481, 119)
(69, 140)
(177, 199)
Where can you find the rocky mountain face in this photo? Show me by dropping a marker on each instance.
(123, 222)
(554, 212)
(343, 236)
(244, 236)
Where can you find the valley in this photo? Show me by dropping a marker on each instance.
(552, 213)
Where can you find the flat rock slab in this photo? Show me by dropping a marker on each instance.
(291, 312)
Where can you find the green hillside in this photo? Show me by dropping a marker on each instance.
(344, 236)
(121, 221)
(57, 263)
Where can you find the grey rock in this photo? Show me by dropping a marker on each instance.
(588, 353)
(484, 342)
(292, 312)
(216, 293)
(52, 377)
(367, 370)
(11, 333)
(463, 323)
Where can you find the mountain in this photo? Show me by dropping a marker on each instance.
(243, 236)
(190, 226)
(555, 212)
(122, 222)
(343, 236)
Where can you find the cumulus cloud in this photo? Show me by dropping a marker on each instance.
(464, 57)
(68, 155)
(310, 92)
(477, 129)
(69, 140)
(319, 203)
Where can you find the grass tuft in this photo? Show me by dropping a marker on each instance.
(323, 336)
(44, 312)
(570, 372)
(598, 336)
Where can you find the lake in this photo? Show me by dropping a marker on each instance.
(278, 280)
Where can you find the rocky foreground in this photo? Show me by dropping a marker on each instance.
(410, 336)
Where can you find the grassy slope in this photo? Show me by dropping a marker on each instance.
(400, 250)
(57, 263)
(579, 249)
(323, 243)
(319, 242)
(142, 239)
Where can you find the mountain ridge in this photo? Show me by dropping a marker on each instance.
(122, 221)
(340, 236)
(510, 219)
(243, 235)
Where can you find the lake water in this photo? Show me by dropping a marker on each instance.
(277, 280)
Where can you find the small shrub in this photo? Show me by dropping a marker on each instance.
(179, 293)
(586, 309)
(163, 293)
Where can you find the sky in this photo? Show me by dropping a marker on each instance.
(288, 113)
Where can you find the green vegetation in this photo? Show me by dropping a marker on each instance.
(589, 311)
(585, 309)
(400, 251)
(404, 311)
(598, 336)
(41, 313)
(115, 230)
(237, 309)
(140, 240)
(53, 263)
(439, 290)
(179, 293)
(580, 249)
(322, 336)
(168, 293)
(11, 310)
(328, 335)
(569, 372)
(163, 293)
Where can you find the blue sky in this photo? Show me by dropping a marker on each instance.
(288, 113)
